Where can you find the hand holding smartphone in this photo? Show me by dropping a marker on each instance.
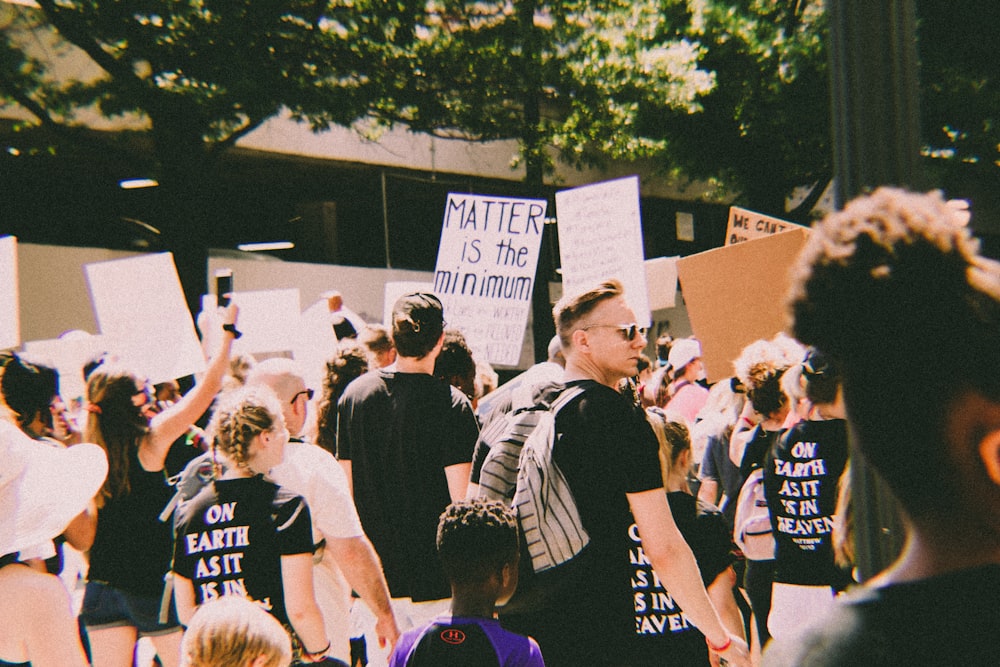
(223, 286)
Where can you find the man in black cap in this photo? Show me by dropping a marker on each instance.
(405, 440)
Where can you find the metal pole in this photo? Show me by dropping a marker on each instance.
(385, 222)
(874, 102)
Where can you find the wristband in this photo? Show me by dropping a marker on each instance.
(720, 649)
(231, 328)
(317, 655)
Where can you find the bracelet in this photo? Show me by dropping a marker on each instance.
(231, 328)
(720, 649)
(315, 656)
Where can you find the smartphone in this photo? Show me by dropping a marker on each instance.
(223, 286)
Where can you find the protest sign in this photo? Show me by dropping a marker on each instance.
(10, 323)
(600, 237)
(269, 320)
(661, 278)
(395, 289)
(67, 354)
(737, 294)
(314, 343)
(485, 271)
(746, 225)
(141, 312)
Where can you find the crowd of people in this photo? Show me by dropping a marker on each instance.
(254, 521)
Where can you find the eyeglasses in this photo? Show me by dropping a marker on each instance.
(307, 392)
(628, 331)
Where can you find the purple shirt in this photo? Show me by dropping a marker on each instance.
(512, 650)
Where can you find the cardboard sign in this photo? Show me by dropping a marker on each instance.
(746, 225)
(485, 271)
(600, 237)
(10, 323)
(736, 295)
(141, 312)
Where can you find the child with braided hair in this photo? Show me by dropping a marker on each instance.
(244, 535)
(894, 291)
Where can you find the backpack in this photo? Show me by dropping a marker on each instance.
(195, 476)
(520, 472)
(753, 533)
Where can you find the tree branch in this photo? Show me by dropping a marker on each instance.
(78, 37)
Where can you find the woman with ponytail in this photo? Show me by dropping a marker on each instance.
(130, 557)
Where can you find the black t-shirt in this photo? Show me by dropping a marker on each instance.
(232, 535)
(951, 619)
(605, 449)
(801, 476)
(132, 547)
(400, 431)
(663, 634)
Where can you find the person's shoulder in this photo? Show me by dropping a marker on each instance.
(366, 383)
(306, 456)
(841, 638)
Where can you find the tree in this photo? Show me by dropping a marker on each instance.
(570, 76)
(198, 76)
(764, 129)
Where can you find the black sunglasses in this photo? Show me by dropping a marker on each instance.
(628, 331)
(307, 392)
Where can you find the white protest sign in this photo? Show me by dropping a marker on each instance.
(600, 237)
(485, 270)
(67, 354)
(746, 225)
(10, 322)
(661, 277)
(268, 319)
(140, 309)
(396, 289)
(315, 343)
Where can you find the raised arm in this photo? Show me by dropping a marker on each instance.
(675, 565)
(176, 419)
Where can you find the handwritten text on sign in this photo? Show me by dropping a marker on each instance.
(486, 270)
(600, 237)
(745, 225)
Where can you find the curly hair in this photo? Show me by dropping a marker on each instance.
(456, 364)
(760, 367)
(240, 417)
(475, 539)
(893, 289)
(351, 361)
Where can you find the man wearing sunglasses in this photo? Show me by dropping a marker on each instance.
(598, 612)
(347, 559)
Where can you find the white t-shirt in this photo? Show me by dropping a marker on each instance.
(313, 473)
